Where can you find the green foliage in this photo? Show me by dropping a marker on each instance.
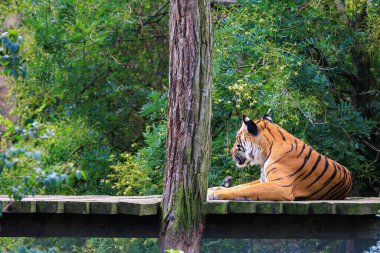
(91, 67)
(142, 173)
(78, 245)
(24, 164)
(97, 78)
(263, 62)
(90, 60)
(79, 144)
(121, 245)
(173, 251)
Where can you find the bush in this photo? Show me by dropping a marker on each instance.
(24, 164)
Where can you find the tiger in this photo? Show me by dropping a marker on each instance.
(290, 169)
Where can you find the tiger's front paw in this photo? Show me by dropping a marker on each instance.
(212, 193)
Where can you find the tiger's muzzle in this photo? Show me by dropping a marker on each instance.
(240, 160)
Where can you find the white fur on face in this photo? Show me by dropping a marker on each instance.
(252, 153)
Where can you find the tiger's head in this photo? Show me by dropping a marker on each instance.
(250, 145)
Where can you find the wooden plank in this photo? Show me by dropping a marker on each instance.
(269, 207)
(241, 206)
(132, 205)
(350, 206)
(296, 208)
(220, 207)
(77, 207)
(149, 205)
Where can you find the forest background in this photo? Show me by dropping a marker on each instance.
(83, 95)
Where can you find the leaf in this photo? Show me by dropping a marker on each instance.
(65, 178)
(22, 250)
(15, 60)
(13, 33)
(13, 47)
(84, 175)
(78, 173)
(13, 73)
(26, 180)
(37, 155)
(52, 250)
(23, 71)
(5, 41)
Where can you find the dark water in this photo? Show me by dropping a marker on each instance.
(134, 245)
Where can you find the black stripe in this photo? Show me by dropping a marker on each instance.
(328, 181)
(266, 138)
(342, 185)
(314, 167)
(271, 133)
(300, 176)
(240, 147)
(338, 186)
(270, 151)
(275, 161)
(340, 170)
(276, 179)
(283, 137)
(347, 181)
(344, 192)
(303, 148)
(291, 148)
(287, 185)
(270, 171)
(324, 171)
(296, 144)
(304, 162)
(329, 192)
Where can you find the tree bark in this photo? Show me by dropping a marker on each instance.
(189, 119)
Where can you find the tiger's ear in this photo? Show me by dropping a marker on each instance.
(267, 117)
(251, 126)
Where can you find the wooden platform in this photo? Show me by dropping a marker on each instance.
(149, 205)
(114, 216)
(94, 204)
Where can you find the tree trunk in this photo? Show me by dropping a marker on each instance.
(189, 134)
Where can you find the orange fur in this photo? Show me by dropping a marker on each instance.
(290, 169)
